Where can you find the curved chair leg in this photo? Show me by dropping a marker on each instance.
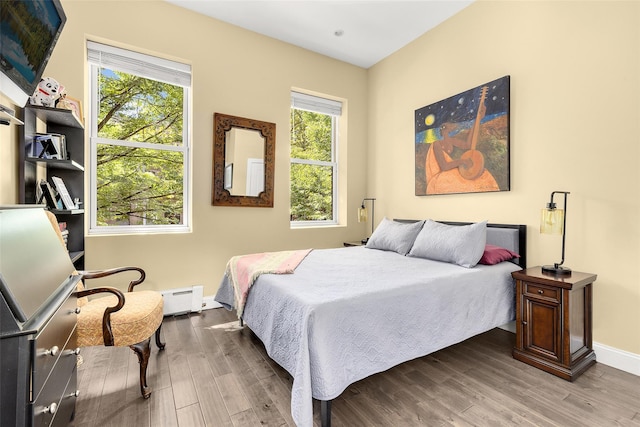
(159, 343)
(143, 350)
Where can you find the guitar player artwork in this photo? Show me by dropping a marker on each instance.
(462, 142)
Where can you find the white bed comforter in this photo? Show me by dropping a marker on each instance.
(348, 313)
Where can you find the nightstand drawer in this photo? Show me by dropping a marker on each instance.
(533, 289)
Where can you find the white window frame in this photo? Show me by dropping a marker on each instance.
(152, 67)
(317, 104)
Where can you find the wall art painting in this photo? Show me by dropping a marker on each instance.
(462, 142)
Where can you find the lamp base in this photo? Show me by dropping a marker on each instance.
(556, 270)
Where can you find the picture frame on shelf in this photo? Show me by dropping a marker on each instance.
(75, 105)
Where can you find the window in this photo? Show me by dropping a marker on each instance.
(139, 140)
(314, 165)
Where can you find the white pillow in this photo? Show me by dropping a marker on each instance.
(458, 244)
(394, 236)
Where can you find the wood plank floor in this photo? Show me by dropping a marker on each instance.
(212, 373)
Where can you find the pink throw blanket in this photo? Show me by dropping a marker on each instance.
(243, 270)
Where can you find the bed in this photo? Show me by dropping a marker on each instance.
(348, 313)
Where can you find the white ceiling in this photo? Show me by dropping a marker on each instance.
(372, 30)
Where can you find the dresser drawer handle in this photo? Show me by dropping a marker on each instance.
(53, 351)
(540, 291)
(51, 409)
(71, 352)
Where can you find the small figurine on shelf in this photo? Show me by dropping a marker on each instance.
(63, 102)
(46, 93)
(68, 103)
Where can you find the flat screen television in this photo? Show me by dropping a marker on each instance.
(29, 31)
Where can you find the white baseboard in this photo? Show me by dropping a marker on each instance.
(511, 327)
(208, 302)
(616, 358)
(610, 356)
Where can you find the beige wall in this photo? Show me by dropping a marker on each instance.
(575, 77)
(575, 80)
(9, 137)
(235, 72)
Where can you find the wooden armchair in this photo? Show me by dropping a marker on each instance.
(120, 319)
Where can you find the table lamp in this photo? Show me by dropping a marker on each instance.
(554, 221)
(363, 214)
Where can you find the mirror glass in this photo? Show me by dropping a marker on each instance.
(244, 162)
(243, 156)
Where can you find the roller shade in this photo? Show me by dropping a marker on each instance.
(316, 104)
(148, 66)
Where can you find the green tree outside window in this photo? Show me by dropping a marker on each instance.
(312, 166)
(139, 173)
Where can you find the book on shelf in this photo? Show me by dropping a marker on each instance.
(65, 236)
(67, 201)
(45, 193)
(47, 146)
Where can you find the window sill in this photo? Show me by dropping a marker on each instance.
(309, 224)
(138, 231)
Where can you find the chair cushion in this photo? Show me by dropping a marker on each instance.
(134, 323)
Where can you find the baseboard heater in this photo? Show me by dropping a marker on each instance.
(182, 300)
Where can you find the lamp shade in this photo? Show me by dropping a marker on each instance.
(552, 221)
(363, 214)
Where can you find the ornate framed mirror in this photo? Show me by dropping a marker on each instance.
(243, 161)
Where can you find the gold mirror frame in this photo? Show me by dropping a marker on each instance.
(222, 123)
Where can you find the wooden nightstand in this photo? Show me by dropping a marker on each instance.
(553, 321)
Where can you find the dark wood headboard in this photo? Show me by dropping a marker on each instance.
(510, 236)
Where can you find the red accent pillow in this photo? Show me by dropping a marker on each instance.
(495, 254)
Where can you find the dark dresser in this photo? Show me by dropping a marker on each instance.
(38, 353)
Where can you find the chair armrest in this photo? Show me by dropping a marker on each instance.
(107, 333)
(103, 273)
